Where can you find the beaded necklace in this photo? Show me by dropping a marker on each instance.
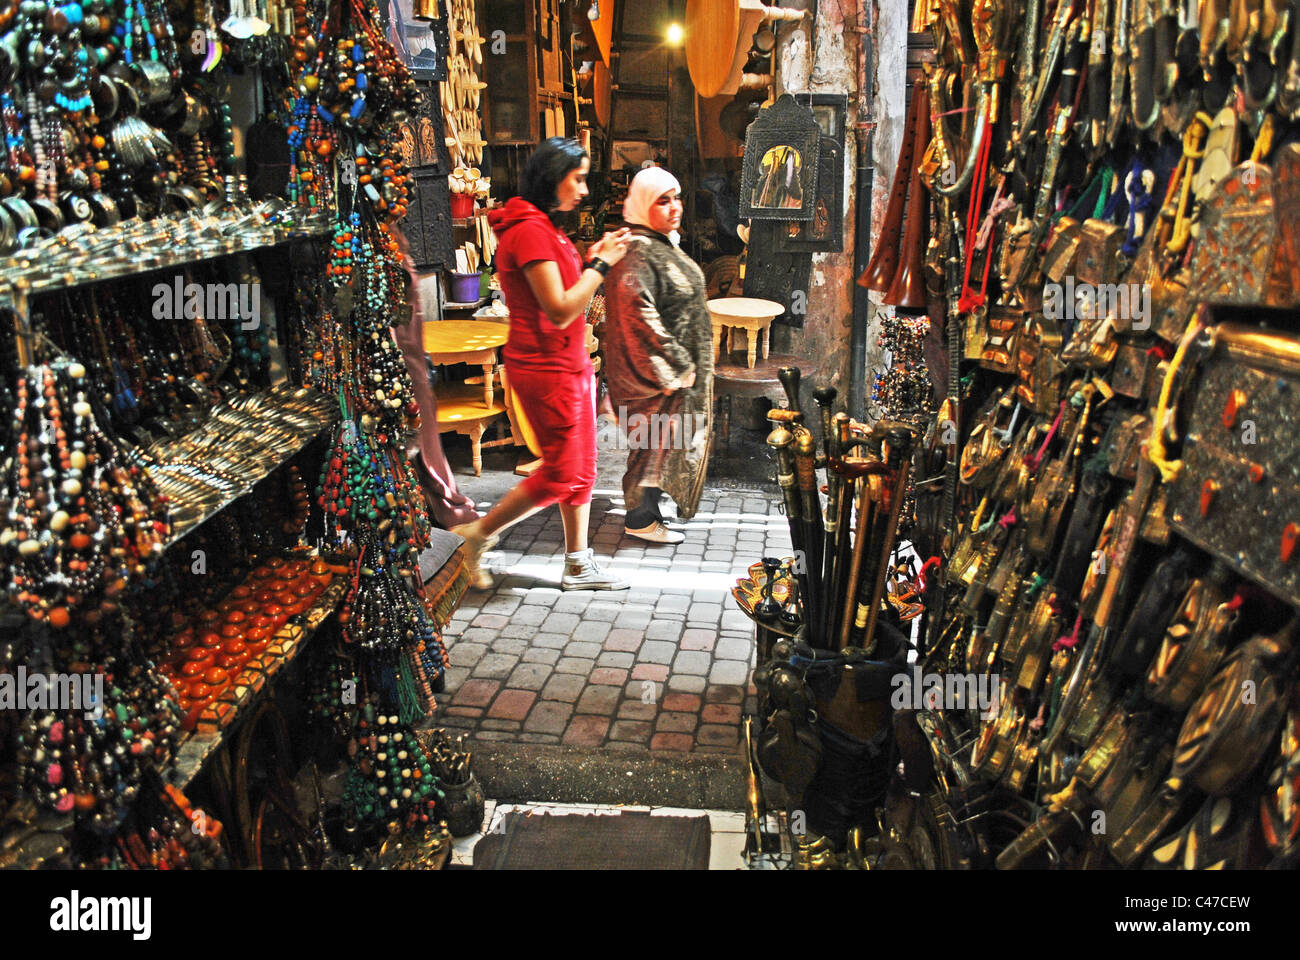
(93, 763)
(391, 778)
(15, 136)
(391, 629)
(364, 486)
(79, 524)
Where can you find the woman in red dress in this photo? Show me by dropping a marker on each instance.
(547, 288)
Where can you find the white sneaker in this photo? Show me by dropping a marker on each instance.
(656, 532)
(476, 544)
(581, 572)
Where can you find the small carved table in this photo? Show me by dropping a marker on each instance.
(754, 316)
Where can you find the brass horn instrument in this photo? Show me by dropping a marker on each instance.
(879, 275)
(907, 290)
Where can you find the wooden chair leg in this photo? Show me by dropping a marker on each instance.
(488, 369)
(476, 447)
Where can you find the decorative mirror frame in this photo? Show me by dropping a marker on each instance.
(786, 125)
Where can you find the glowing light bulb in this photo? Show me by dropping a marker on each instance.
(675, 33)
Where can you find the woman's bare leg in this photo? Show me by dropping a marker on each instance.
(575, 525)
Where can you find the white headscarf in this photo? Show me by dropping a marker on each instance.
(647, 187)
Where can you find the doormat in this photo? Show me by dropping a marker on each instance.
(627, 841)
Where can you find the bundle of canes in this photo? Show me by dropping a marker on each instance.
(876, 533)
(810, 549)
(866, 474)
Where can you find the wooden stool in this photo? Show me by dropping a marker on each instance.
(729, 314)
(461, 410)
(732, 380)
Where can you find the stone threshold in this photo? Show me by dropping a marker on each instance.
(531, 773)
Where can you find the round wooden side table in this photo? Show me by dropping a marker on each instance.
(754, 316)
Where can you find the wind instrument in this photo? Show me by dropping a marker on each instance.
(907, 289)
(879, 275)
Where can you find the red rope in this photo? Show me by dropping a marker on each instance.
(969, 300)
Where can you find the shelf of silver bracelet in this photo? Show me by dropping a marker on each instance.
(238, 445)
(83, 254)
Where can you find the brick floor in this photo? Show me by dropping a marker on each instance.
(664, 665)
(548, 717)
(586, 731)
(512, 704)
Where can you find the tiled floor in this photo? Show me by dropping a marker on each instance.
(726, 842)
(663, 666)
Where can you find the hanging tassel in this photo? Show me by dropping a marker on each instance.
(408, 697)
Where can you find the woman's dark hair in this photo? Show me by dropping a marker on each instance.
(551, 162)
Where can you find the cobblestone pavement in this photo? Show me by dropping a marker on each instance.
(663, 666)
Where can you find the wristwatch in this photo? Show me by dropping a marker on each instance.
(597, 264)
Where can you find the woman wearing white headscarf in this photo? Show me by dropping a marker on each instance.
(658, 348)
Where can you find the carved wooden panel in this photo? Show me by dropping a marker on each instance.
(773, 274)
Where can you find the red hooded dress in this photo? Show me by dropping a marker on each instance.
(549, 368)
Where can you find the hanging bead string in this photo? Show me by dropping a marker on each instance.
(391, 779)
(91, 761)
(391, 629)
(365, 488)
(903, 390)
(80, 522)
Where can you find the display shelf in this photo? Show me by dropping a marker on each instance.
(184, 525)
(183, 528)
(475, 305)
(78, 257)
(289, 640)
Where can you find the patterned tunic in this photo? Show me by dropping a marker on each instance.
(656, 334)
